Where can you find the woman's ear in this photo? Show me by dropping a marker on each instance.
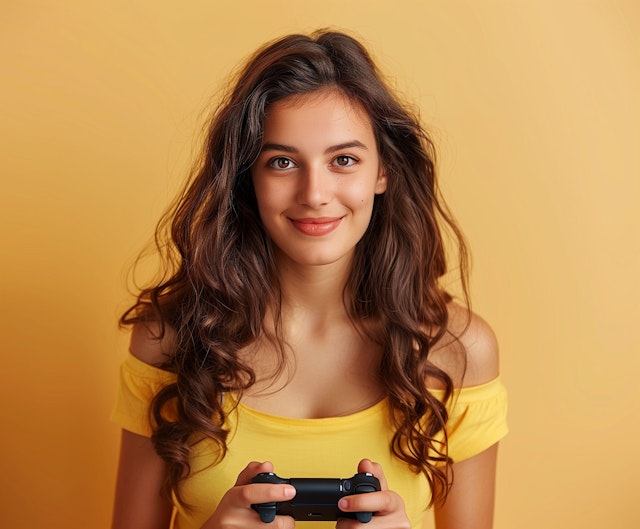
(381, 183)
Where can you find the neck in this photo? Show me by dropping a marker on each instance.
(315, 292)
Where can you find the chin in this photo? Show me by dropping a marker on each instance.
(315, 258)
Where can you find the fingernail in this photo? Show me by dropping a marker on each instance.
(343, 504)
(289, 492)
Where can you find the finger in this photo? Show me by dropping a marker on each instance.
(235, 511)
(279, 522)
(282, 522)
(252, 470)
(247, 495)
(366, 465)
(380, 503)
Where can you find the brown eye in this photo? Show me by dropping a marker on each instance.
(344, 161)
(281, 163)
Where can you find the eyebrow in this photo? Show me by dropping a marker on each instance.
(333, 148)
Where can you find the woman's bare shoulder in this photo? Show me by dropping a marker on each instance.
(468, 352)
(150, 344)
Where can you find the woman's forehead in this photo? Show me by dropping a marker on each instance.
(329, 111)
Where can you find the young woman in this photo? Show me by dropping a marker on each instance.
(300, 326)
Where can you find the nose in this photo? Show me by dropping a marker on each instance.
(314, 187)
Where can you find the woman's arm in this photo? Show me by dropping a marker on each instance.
(470, 502)
(139, 502)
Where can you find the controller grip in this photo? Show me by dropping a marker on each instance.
(316, 498)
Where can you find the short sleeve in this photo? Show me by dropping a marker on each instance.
(477, 419)
(137, 385)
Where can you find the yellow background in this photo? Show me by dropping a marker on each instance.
(535, 107)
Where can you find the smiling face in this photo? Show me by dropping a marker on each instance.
(316, 177)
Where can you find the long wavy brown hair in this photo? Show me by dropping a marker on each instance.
(219, 273)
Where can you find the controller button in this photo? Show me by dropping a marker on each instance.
(364, 488)
(347, 485)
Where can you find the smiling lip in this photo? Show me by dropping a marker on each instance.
(316, 226)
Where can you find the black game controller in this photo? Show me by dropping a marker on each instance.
(316, 499)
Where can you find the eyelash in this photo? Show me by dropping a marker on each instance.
(274, 161)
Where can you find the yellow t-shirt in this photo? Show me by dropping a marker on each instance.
(328, 447)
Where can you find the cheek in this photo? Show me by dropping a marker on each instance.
(361, 195)
(267, 195)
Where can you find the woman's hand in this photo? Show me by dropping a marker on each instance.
(234, 510)
(387, 506)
